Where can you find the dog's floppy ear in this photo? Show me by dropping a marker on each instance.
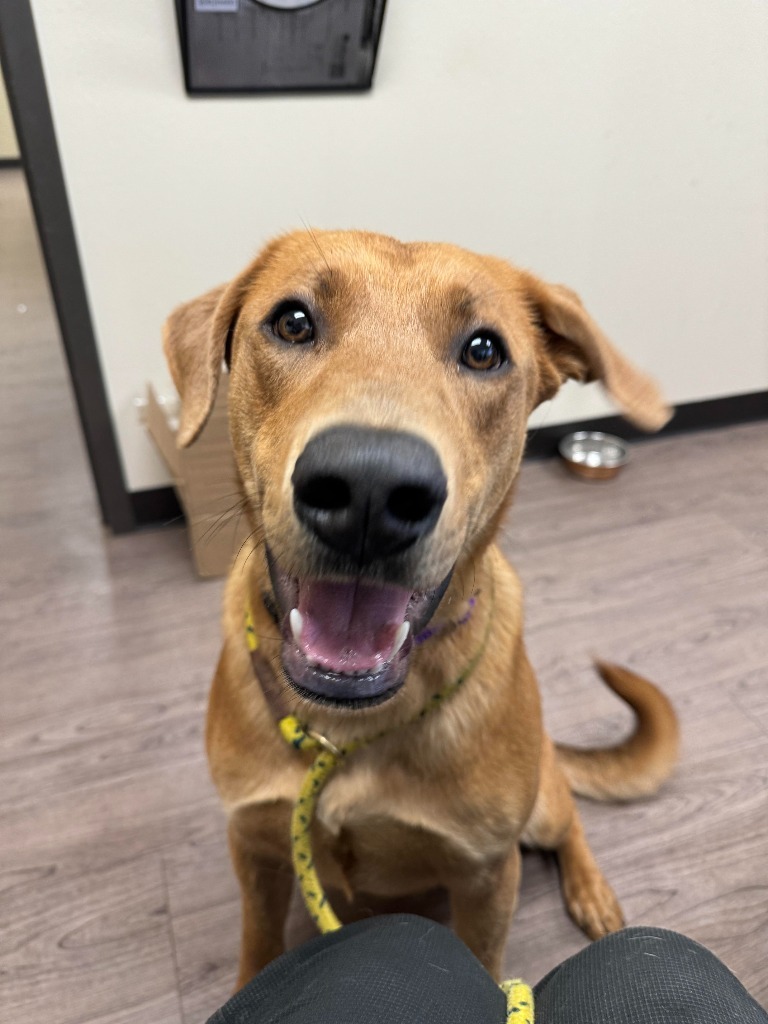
(574, 347)
(195, 340)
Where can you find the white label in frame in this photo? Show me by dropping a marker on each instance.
(217, 6)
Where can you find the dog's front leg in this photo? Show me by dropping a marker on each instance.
(258, 842)
(482, 905)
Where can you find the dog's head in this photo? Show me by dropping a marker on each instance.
(379, 394)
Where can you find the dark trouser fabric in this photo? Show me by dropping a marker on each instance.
(402, 969)
(397, 969)
(646, 975)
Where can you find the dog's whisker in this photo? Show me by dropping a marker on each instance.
(313, 236)
(250, 536)
(221, 521)
(175, 519)
(250, 555)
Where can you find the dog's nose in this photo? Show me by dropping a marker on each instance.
(368, 493)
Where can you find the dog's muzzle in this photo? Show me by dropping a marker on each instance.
(365, 497)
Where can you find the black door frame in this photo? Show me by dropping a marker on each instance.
(28, 97)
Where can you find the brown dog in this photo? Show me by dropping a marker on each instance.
(379, 394)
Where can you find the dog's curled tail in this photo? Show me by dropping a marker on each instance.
(639, 765)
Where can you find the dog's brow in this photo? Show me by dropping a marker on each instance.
(464, 303)
(461, 304)
(326, 284)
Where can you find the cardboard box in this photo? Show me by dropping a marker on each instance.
(206, 481)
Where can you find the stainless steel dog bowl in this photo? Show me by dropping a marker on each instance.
(593, 455)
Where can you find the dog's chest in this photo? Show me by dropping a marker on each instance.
(389, 832)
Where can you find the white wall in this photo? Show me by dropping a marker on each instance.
(9, 148)
(616, 145)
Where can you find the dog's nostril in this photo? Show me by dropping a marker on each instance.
(411, 504)
(325, 493)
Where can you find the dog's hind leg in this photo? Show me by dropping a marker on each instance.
(590, 900)
(258, 842)
(555, 825)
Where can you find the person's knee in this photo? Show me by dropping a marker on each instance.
(642, 971)
(658, 943)
(638, 946)
(662, 939)
(642, 931)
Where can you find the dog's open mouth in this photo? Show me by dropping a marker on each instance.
(348, 643)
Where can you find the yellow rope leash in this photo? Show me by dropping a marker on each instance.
(519, 996)
(519, 1001)
(326, 762)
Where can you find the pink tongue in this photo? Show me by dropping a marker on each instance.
(350, 627)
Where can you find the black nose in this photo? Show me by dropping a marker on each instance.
(368, 493)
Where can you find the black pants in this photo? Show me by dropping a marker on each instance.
(406, 970)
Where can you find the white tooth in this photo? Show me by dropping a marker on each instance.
(296, 620)
(400, 638)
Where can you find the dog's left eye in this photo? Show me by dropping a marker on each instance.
(483, 351)
(293, 324)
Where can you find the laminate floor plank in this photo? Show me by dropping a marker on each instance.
(72, 940)
(141, 813)
(205, 913)
(117, 901)
(59, 753)
(207, 943)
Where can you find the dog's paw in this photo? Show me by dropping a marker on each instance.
(592, 904)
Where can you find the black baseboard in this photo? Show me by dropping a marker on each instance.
(156, 507)
(690, 416)
(10, 161)
(160, 506)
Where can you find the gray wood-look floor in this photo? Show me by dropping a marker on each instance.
(117, 903)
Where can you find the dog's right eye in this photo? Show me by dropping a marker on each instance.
(293, 324)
